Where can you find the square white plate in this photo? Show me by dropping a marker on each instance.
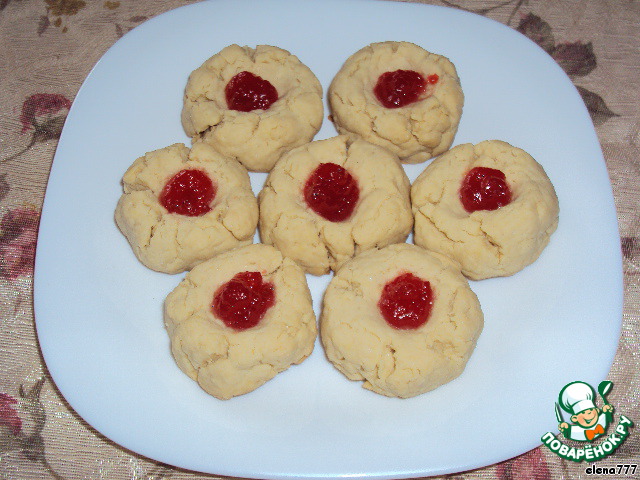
(99, 312)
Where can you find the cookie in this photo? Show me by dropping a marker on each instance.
(239, 319)
(253, 105)
(182, 206)
(400, 319)
(399, 96)
(331, 199)
(491, 207)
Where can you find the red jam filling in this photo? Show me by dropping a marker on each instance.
(484, 188)
(406, 302)
(402, 87)
(246, 92)
(188, 192)
(433, 79)
(331, 192)
(243, 301)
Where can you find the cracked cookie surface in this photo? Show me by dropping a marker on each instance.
(170, 242)
(486, 243)
(227, 362)
(392, 362)
(382, 214)
(416, 132)
(259, 137)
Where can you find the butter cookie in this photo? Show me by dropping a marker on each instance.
(491, 207)
(182, 206)
(401, 319)
(239, 319)
(253, 105)
(399, 96)
(331, 199)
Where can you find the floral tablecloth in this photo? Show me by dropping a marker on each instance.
(47, 49)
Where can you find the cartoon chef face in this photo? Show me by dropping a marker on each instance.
(586, 418)
(577, 398)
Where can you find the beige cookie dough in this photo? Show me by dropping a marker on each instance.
(227, 362)
(172, 243)
(486, 243)
(382, 215)
(415, 132)
(259, 137)
(389, 361)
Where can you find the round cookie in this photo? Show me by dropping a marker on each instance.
(231, 358)
(409, 357)
(368, 179)
(417, 131)
(224, 216)
(485, 242)
(259, 136)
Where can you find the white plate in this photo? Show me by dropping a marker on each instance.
(98, 311)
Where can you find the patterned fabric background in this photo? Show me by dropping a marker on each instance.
(47, 49)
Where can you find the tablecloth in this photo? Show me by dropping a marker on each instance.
(48, 47)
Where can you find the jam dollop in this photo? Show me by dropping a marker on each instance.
(246, 92)
(402, 87)
(406, 301)
(332, 192)
(243, 301)
(484, 188)
(433, 79)
(189, 192)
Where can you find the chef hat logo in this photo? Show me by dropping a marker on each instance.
(577, 397)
